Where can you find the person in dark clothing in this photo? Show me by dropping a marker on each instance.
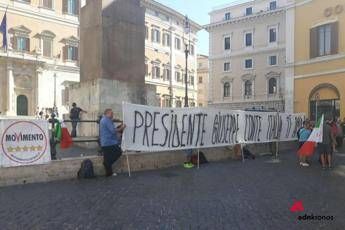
(75, 117)
(325, 148)
(110, 142)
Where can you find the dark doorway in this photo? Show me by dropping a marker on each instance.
(22, 106)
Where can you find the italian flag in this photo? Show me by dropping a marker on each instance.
(62, 134)
(308, 147)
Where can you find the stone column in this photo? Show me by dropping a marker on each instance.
(172, 66)
(10, 92)
(38, 88)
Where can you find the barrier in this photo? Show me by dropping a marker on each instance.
(151, 129)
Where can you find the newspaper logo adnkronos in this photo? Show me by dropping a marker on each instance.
(24, 142)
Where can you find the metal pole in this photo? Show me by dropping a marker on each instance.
(198, 158)
(186, 79)
(128, 166)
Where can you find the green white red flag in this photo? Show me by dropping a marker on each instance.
(308, 147)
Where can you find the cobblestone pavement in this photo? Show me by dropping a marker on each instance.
(256, 194)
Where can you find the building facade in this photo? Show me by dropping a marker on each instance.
(41, 55)
(165, 57)
(247, 55)
(203, 80)
(319, 58)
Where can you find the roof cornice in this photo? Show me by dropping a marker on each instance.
(156, 5)
(245, 18)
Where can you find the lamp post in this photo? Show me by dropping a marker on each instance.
(317, 98)
(187, 47)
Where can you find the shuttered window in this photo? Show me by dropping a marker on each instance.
(70, 53)
(47, 47)
(47, 4)
(22, 44)
(324, 40)
(70, 7)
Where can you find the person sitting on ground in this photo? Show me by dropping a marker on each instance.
(75, 117)
(303, 135)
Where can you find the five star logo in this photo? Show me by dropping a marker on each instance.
(10, 149)
(18, 149)
(32, 148)
(39, 148)
(25, 149)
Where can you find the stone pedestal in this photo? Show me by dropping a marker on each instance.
(97, 95)
(112, 60)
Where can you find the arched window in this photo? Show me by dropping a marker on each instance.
(272, 86)
(248, 88)
(226, 89)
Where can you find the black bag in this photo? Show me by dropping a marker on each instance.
(202, 159)
(86, 170)
(248, 154)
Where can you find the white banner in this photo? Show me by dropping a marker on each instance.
(24, 142)
(160, 129)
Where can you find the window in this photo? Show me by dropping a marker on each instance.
(227, 43)
(155, 35)
(324, 40)
(248, 63)
(273, 5)
(22, 44)
(200, 105)
(156, 72)
(47, 47)
(47, 4)
(146, 32)
(71, 7)
(146, 69)
(191, 49)
(249, 11)
(226, 89)
(200, 80)
(178, 76)
(249, 39)
(178, 103)
(70, 53)
(273, 35)
(226, 66)
(192, 80)
(272, 60)
(166, 39)
(192, 104)
(177, 43)
(248, 88)
(227, 16)
(272, 86)
(167, 74)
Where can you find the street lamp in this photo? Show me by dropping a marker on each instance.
(187, 47)
(317, 98)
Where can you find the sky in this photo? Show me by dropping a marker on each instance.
(197, 10)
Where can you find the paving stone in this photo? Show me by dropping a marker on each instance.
(226, 195)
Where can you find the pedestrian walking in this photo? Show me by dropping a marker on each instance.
(110, 143)
(325, 147)
(303, 135)
(75, 117)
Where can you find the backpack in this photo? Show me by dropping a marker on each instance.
(86, 170)
(202, 159)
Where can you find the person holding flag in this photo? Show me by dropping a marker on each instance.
(307, 148)
(303, 135)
